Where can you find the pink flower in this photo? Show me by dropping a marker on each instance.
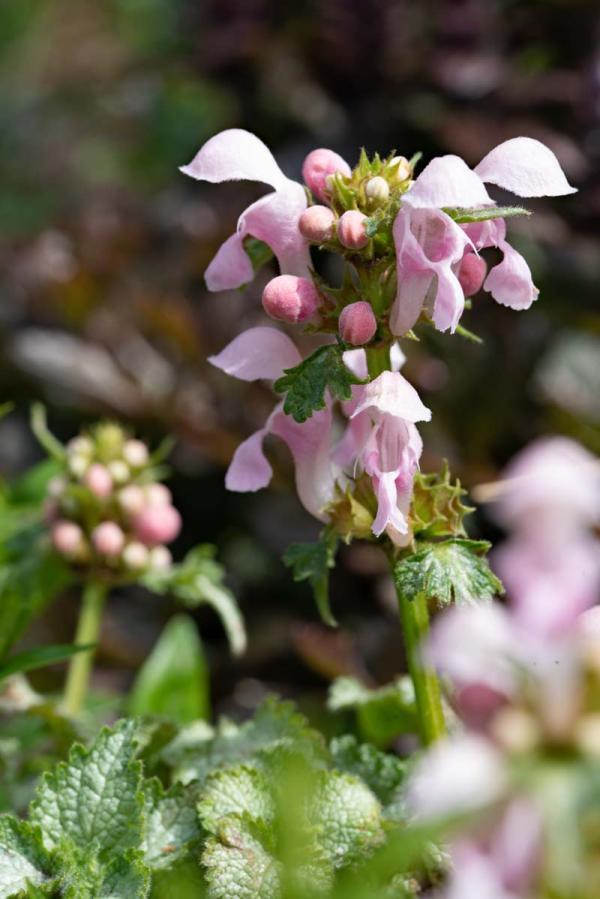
(67, 539)
(157, 524)
(108, 539)
(237, 155)
(98, 480)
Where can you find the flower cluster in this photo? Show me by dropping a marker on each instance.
(106, 510)
(411, 248)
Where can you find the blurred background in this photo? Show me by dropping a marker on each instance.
(103, 246)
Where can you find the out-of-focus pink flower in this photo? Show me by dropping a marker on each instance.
(157, 524)
(290, 299)
(98, 480)
(108, 539)
(237, 155)
(471, 273)
(318, 166)
(357, 323)
(67, 538)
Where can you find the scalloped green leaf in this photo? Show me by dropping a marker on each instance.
(171, 828)
(304, 385)
(23, 858)
(312, 562)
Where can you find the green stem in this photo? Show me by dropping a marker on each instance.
(88, 630)
(378, 360)
(415, 624)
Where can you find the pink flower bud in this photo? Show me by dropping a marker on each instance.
(135, 453)
(317, 167)
(160, 558)
(357, 323)
(132, 499)
(351, 230)
(157, 524)
(157, 495)
(67, 538)
(471, 273)
(108, 539)
(135, 556)
(98, 480)
(316, 224)
(288, 298)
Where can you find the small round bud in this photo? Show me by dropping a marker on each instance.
(160, 558)
(98, 480)
(56, 487)
(78, 464)
(288, 298)
(119, 472)
(132, 499)
(399, 169)
(135, 453)
(316, 224)
(67, 539)
(157, 524)
(471, 273)
(81, 446)
(317, 167)
(135, 556)
(108, 539)
(357, 323)
(109, 440)
(352, 231)
(157, 495)
(377, 190)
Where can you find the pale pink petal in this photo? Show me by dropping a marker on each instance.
(274, 220)
(235, 155)
(249, 469)
(397, 357)
(391, 393)
(447, 182)
(231, 267)
(356, 362)
(510, 282)
(449, 301)
(411, 294)
(525, 167)
(517, 846)
(388, 513)
(257, 353)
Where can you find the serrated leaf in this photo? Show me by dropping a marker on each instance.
(93, 800)
(23, 859)
(347, 817)
(382, 713)
(383, 772)
(199, 579)
(237, 864)
(84, 876)
(173, 681)
(312, 562)
(452, 571)
(171, 827)
(306, 383)
(464, 216)
(238, 790)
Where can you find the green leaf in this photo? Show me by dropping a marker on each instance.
(39, 658)
(198, 579)
(84, 876)
(171, 828)
(452, 571)
(463, 216)
(312, 562)
(258, 251)
(237, 864)
(240, 790)
(23, 859)
(383, 773)
(173, 681)
(383, 713)
(5, 408)
(347, 818)
(306, 383)
(93, 800)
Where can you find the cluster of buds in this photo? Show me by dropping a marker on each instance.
(107, 511)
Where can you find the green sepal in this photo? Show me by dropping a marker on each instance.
(437, 509)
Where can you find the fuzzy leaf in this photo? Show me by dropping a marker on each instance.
(464, 216)
(170, 824)
(240, 790)
(311, 562)
(237, 864)
(306, 383)
(93, 800)
(452, 571)
(382, 713)
(23, 859)
(86, 877)
(347, 818)
(382, 772)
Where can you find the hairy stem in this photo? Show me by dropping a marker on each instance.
(88, 630)
(415, 624)
(378, 360)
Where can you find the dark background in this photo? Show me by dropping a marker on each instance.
(103, 244)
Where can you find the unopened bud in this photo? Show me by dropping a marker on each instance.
(377, 190)
(56, 487)
(67, 539)
(318, 166)
(157, 495)
(515, 730)
(81, 445)
(135, 556)
(135, 453)
(357, 323)
(119, 472)
(352, 230)
(108, 539)
(316, 224)
(160, 558)
(78, 465)
(471, 273)
(157, 524)
(109, 440)
(399, 168)
(291, 299)
(98, 480)
(132, 499)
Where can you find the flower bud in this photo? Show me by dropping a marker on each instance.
(80, 446)
(157, 524)
(471, 273)
(357, 323)
(135, 453)
(157, 495)
(288, 298)
(316, 224)
(98, 480)
(67, 539)
(400, 169)
(160, 558)
(377, 190)
(108, 539)
(352, 231)
(119, 472)
(78, 464)
(135, 556)
(56, 487)
(317, 167)
(132, 499)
